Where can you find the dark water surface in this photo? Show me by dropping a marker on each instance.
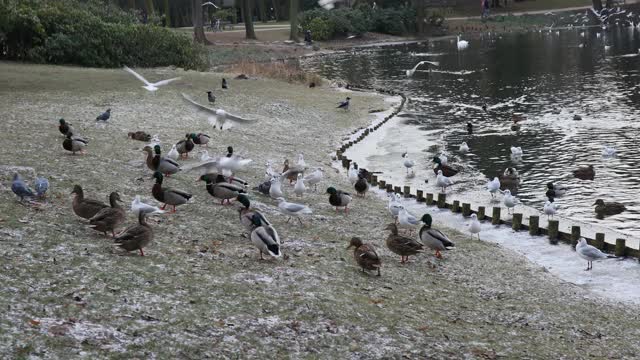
(547, 76)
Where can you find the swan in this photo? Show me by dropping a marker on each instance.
(462, 44)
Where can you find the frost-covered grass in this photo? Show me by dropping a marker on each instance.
(201, 290)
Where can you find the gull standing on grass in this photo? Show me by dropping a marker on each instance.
(218, 117)
(412, 71)
(149, 86)
(138, 206)
(474, 226)
(292, 209)
(299, 188)
(590, 253)
(314, 178)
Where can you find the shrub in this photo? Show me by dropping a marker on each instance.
(321, 29)
(94, 34)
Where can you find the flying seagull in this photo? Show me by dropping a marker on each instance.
(218, 117)
(412, 71)
(209, 3)
(149, 86)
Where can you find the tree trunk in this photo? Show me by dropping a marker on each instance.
(132, 4)
(248, 19)
(262, 6)
(167, 13)
(293, 19)
(276, 12)
(149, 6)
(597, 5)
(198, 29)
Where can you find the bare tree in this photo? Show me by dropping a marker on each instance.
(293, 19)
(248, 19)
(198, 27)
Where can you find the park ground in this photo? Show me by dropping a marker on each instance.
(201, 290)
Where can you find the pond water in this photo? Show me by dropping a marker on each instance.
(548, 77)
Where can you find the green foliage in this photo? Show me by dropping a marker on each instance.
(94, 33)
(345, 21)
(227, 15)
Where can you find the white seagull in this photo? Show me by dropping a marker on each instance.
(464, 148)
(394, 205)
(608, 151)
(218, 117)
(412, 71)
(314, 178)
(516, 151)
(352, 174)
(299, 188)
(474, 226)
(549, 209)
(138, 206)
(292, 209)
(173, 153)
(510, 201)
(493, 186)
(149, 86)
(275, 191)
(443, 181)
(590, 253)
(408, 163)
(406, 219)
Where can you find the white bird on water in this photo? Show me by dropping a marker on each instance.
(516, 151)
(462, 44)
(138, 206)
(608, 151)
(464, 148)
(218, 117)
(510, 201)
(549, 209)
(493, 186)
(408, 163)
(443, 181)
(412, 71)
(149, 86)
(590, 253)
(474, 226)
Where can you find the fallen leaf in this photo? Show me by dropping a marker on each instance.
(34, 322)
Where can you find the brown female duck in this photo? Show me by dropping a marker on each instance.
(365, 255)
(108, 218)
(608, 208)
(139, 135)
(160, 163)
(585, 173)
(135, 237)
(85, 208)
(401, 245)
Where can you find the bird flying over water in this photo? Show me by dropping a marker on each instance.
(412, 71)
(148, 85)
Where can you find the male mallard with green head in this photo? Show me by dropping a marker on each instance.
(401, 245)
(159, 163)
(65, 127)
(265, 238)
(434, 238)
(137, 236)
(447, 171)
(108, 218)
(185, 146)
(247, 213)
(365, 255)
(85, 208)
(608, 208)
(201, 139)
(221, 189)
(168, 196)
(140, 136)
(339, 199)
(74, 144)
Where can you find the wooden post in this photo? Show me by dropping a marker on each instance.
(382, 184)
(575, 235)
(429, 199)
(495, 216)
(599, 241)
(481, 213)
(389, 188)
(534, 225)
(620, 247)
(407, 191)
(368, 177)
(374, 180)
(455, 207)
(442, 200)
(466, 209)
(553, 231)
(420, 196)
(345, 163)
(516, 222)
(397, 190)
(339, 154)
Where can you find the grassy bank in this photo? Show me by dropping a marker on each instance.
(201, 291)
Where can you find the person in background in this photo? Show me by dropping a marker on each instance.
(485, 8)
(307, 37)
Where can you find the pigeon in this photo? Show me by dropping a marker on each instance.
(211, 97)
(41, 186)
(224, 83)
(264, 187)
(344, 104)
(149, 86)
(104, 116)
(218, 117)
(20, 188)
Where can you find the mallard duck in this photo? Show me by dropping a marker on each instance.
(361, 185)
(246, 214)
(265, 238)
(108, 218)
(74, 144)
(159, 163)
(365, 255)
(64, 127)
(433, 238)
(339, 198)
(221, 189)
(291, 172)
(554, 191)
(168, 196)
(201, 139)
(139, 135)
(608, 208)
(401, 245)
(439, 166)
(135, 237)
(20, 188)
(185, 145)
(585, 173)
(85, 208)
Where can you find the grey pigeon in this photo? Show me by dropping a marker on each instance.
(344, 104)
(20, 188)
(104, 116)
(211, 97)
(264, 187)
(41, 185)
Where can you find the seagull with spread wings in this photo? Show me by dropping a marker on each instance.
(147, 85)
(218, 117)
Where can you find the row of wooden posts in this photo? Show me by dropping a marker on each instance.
(516, 223)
